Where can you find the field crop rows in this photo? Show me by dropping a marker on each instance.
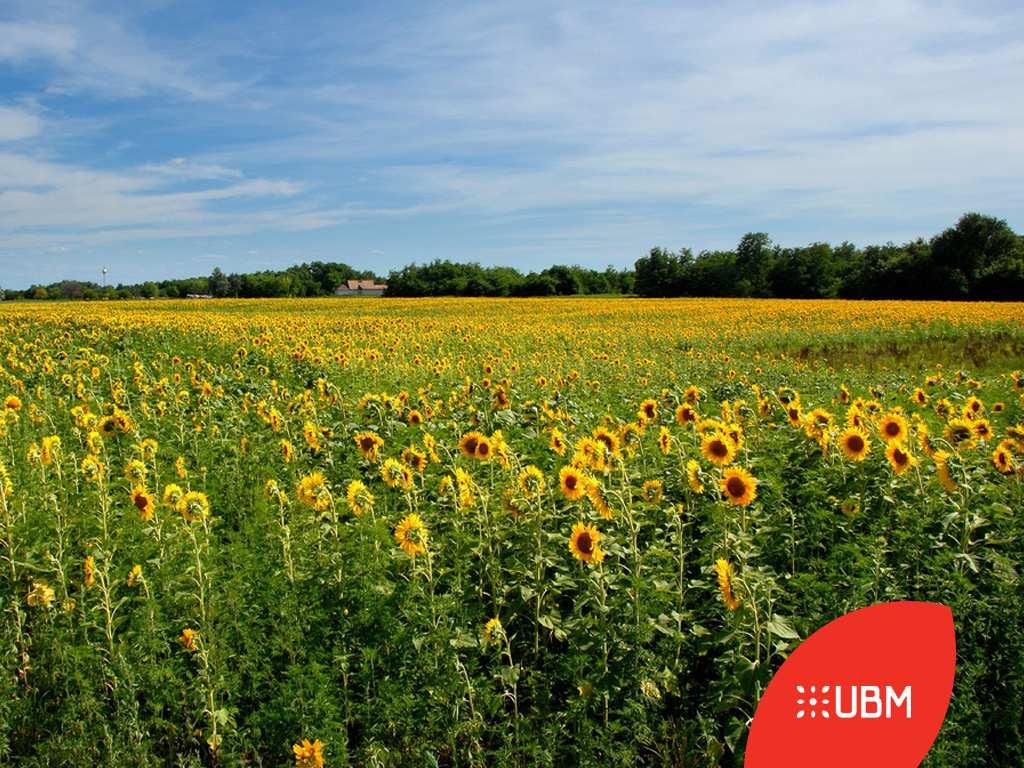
(510, 532)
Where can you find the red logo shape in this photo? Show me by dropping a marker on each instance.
(868, 689)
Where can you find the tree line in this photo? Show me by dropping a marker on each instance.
(303, 280)
(980, 257)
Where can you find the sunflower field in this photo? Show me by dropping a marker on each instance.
(490, 532)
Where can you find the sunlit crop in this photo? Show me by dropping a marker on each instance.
(467, 532)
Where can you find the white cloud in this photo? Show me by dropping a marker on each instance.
(181, 168)
(17, 124)
(588, 125)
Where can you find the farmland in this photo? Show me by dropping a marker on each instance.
(467, 532)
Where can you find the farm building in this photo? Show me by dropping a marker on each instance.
(360, 288)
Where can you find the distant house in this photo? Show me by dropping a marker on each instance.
(360, 288)
(198, 295)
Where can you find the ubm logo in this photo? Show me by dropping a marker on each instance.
(868, 702)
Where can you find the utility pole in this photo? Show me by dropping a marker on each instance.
(104, 278)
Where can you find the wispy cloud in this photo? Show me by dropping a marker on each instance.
(520, 132)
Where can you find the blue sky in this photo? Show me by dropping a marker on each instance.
(162, 139)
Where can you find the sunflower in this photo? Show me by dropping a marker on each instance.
(94, 443)
(309, 754)
(692, 394)
(983, 429)
(484, 448)
(850, 507)
(686, 415)
(920, 397)
(724, 572)
(652, 491)
(629, 437)
(41, 595)
(107, 426)
(430, 444)
(468, 444)
(134, 575)
(693, 476)
(287, 451)
(900, 459)
(312, 491)
(369, 445)
(1002, 457)
(531, 482)
(854, 443)
(818, 422)
(395, 474)
(794, 415)
(172, 493)
(135, 471)
(12, 403)
(589, 453)
(359, 498)
(557, 443)
(50, 449)
(189, 639)
(942, 471)
(739, 486)
(585, 544)
(92, 468)
(973, 407)
(718, 448)
(855, 418)
(6, 486)
(665, 441)
(465, 486)
(924, 439)
(648, 411)
(411, 535)
(493, 630)
(572, 482)
(959, 433)
(893, 427)
(598, 500)
(89, 570)
(414, 417)
(194, 506)
(608, 439)
(144, 502)
(414, 458)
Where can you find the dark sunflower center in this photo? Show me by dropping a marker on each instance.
(141, 502)
(570, 482)
(584, 543)
(471, 445)
(735, 486)
(719, 449)
(900, 457)
(855, 443)
(483, 449)
(892, 429)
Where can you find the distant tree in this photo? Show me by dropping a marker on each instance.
(220, 286)
(965, 256)
(754, 257)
